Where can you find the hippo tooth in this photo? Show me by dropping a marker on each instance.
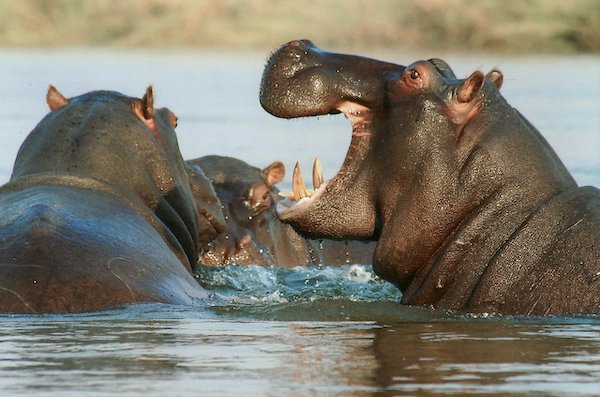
(317, 174)
(298, 186)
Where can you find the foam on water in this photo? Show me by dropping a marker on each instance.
(304, 292)
(322, 293)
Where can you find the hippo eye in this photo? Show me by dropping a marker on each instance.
(414, 74)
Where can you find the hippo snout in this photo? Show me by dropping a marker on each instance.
(294, 81)
(301, 79)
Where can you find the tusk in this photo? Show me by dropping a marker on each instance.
(317, 174)
(298, 186)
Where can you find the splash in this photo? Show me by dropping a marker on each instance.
(303, 292)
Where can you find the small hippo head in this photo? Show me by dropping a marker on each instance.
(250, 190)
(248, 196)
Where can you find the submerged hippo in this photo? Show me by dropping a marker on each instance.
(254, 233)
(98, 211)
(471, 208)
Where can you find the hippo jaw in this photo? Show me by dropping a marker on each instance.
(359, 145)
(341, 208)
(301, 80)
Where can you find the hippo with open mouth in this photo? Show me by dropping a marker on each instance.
(471, 207)
(99, 212)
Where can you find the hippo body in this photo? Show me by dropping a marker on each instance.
(254, 233)
(98, 211)
(472, 209)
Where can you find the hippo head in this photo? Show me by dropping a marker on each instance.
(404, 121)
(248, 196)
(427, 151)
(106, 140)
(302, 80)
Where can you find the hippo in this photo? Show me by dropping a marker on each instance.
(254, 234)
(98, 212)
(471, 208)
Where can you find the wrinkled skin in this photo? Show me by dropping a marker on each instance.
(254, 233)
(471, 207)
(99, 211)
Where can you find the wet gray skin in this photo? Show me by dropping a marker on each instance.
(471, 207)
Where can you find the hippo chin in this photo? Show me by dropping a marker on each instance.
(254, 234)
(471, 208)
(98, 211)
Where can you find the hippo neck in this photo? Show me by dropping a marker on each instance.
(502, 258)
(519, 182)
(62, 179)
(449, 277)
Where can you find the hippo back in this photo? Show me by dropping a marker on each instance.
(61, 254)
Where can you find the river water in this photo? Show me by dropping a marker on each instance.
(292, 332)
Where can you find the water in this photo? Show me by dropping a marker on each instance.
(304, 331)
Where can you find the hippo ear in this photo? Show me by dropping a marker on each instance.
(144, 109)
(468, 89)
(55, 99)
(148, 103)
(273, 173)
(496, 77)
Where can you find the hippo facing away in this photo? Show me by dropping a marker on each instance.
(98, 211)
(471, 208)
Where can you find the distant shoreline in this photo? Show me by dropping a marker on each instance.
(491, 26)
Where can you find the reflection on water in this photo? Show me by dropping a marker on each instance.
(153, 350)
(184, 357)
(298, 345)
(490, 358)
(305, 331)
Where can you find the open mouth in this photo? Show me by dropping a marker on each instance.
(301, 198)
(301, 80)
